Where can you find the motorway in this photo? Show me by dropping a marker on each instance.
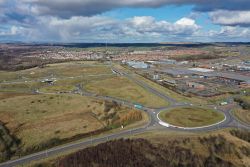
(154, 123)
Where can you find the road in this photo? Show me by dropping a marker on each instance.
(154, 123)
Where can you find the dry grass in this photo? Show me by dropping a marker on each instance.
(38, 118)
(164, 137)
(123, 88)
(69, 69)
(32, 117)
(243, 115)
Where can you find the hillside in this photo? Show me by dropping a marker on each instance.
(223, 149)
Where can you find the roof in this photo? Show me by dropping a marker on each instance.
(233, 76)
(201, 69)
(177, 71)
(137, 64)
(183, 71)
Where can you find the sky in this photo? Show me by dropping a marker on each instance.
(124, 21)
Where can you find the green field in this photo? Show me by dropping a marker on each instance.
(191, 116)
(124, 88)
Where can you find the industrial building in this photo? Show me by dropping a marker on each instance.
(137, 64)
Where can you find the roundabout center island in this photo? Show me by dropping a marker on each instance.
(191, 117)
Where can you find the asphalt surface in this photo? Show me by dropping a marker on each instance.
(230, 121)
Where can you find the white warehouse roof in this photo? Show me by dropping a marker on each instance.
(201, 69)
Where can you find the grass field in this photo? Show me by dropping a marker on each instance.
(68, 69)
(243, 115)
(38, 119)
(123, 88)
(191, 117)
(67, 76)
(93, 76)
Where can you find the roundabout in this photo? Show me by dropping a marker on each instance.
(190, 117)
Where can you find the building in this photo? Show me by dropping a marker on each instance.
(201, 70)
(234, 78)
(195, 85)
(243, 68)
(156, 77)
(169, 82)
(247, 63)
(164, 61)
(176, 72)
(137, 64)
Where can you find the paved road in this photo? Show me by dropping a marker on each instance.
(147, 87)
(230, 121)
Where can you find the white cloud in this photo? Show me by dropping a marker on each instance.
(98, 28)
(185, 22)
(232, 18)
(229, 33)
(12, 31)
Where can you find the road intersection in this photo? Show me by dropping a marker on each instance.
(229, 122)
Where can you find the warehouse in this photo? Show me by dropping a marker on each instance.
(137, 64)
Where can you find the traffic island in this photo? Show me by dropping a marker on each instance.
(190, 117)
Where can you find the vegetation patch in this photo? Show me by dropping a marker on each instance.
(244, 101)
(30, 118)
(8, 143)
(123, 88)
(141, 152)
(242, 134)
(191, 116)
(243, 115)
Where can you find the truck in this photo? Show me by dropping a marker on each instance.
(138, 106)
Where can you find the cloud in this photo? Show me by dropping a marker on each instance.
(2, 2)
(80, 20)
(12, 31)
(231, 18)
(100, 28)
(230, 33)
(66, 8)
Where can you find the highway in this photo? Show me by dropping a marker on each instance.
(154, 123)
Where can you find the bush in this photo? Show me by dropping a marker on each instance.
(242, 134)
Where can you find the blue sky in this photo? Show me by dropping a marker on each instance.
(124, 21)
